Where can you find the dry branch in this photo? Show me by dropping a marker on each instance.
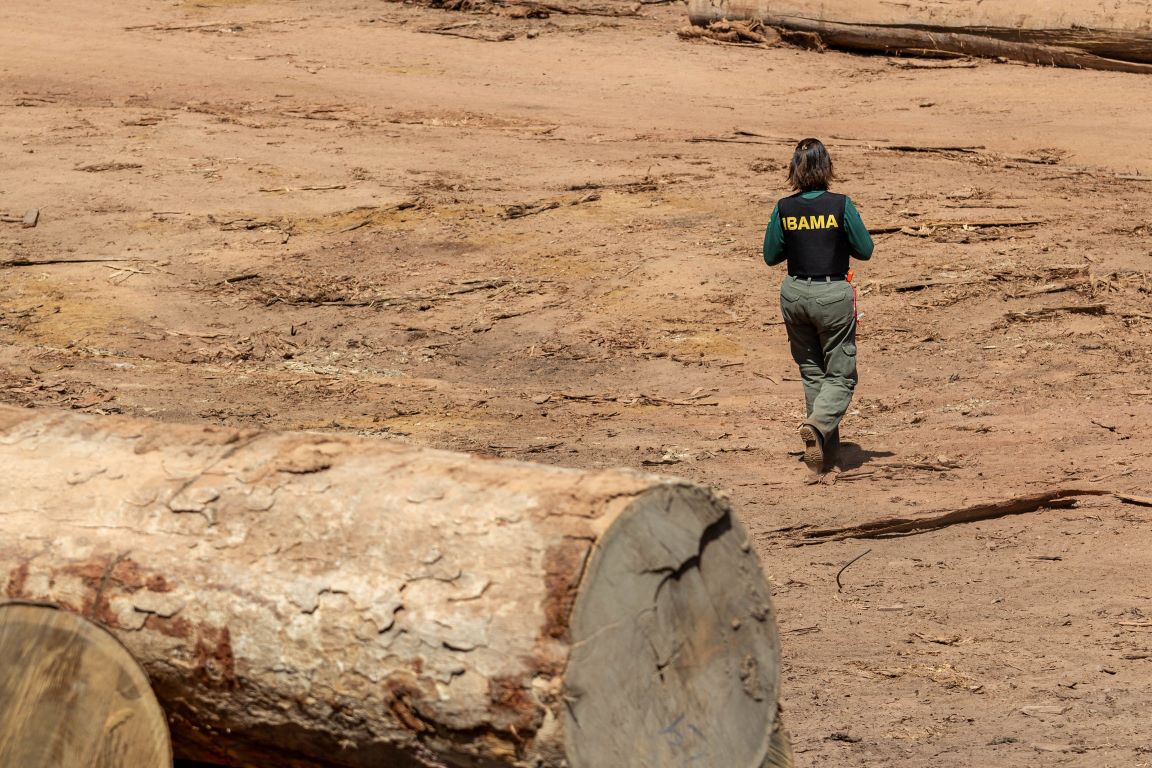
(209, 26)
(917, 64)
(520, 210)
(318, 188)
(569, 9)
(1048, 288)
(454, 31)
(46, 262)
(1045, 312)
(737, 138)
(977, 224)
(930, 150)
(929, 282)
(731, 32)
(325, 298)
(896, 526)
(107, 166)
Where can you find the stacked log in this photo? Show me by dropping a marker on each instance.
(1079, 33)
(302, 599)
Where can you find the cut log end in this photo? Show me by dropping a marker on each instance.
(71, 696)
(675, 655)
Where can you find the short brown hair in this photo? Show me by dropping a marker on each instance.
(811, 167)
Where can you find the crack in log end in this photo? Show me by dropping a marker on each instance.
(667, 665)
(564, 565)
(710, 534)
(17, 580)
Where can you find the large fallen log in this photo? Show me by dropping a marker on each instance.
(1079, 33)
(302, 599)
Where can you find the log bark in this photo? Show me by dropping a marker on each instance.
(1078, 34)
(304, 599)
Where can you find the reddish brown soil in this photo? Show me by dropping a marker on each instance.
(311, 208)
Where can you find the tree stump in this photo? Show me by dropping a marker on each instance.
(71, 696)
(305, 600)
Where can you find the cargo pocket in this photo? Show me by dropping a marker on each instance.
(832, 297)
(788, 293)
(849, 348)
(790, 303)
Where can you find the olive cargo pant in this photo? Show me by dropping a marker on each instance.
(821, 321)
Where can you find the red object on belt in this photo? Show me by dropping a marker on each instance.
(848, 277)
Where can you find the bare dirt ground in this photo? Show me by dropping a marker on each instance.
(318, 216)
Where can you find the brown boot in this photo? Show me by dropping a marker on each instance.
(813, 448)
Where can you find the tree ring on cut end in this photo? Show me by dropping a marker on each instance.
(675, 656)
(71, 696)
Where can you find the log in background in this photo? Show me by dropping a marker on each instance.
(1112, 36)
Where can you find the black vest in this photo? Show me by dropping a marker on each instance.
(815, 240)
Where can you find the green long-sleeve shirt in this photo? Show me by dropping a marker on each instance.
(858, 238)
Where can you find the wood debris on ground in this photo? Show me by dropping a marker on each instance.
(732, 32)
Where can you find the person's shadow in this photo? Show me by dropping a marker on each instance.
(852, 456)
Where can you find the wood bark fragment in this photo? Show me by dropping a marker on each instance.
(320, 600)
(897, 526)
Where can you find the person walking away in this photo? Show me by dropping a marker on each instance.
(816, 232)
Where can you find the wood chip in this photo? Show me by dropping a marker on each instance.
(1038, 710)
